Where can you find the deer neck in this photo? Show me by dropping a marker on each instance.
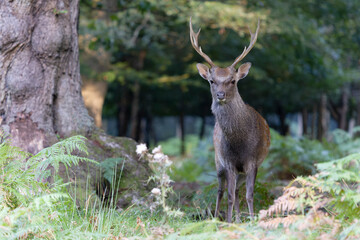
(232, 117)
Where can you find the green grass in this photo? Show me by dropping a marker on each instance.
(31, 208)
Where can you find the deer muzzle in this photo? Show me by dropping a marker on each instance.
(220, 97)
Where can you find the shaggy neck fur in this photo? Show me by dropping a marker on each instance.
(232, 117)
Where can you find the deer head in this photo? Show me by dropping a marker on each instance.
(223, 81)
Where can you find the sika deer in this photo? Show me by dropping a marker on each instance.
(241, 135)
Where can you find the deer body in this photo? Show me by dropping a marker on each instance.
(241, 140)
(241, 135)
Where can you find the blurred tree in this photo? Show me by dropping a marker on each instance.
(300, 60)
(319, 59)
(156, 32)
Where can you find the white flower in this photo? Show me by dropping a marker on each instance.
(156, 150)
(158, 157)
(165, 179)
(141, 149)
(168, 162)
(156, 191)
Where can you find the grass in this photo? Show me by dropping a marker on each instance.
(33, 209)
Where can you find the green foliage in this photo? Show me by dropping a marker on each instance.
(171, 146)
(340, 178)
(110, 169)
(290, 157)
(29, 205)
(199, 163)
(325, 205)
(346, 142)
(311, 43)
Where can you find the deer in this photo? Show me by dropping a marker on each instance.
(241, 135)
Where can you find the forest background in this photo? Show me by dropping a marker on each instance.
(140, 82)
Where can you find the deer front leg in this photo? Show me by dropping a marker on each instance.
(239, 182)
(221, 180)
(231, 181)
(250, 183)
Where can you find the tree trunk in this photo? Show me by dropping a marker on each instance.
(123, 116)
(40, 95)
(313, 122)
(304, 114)
(182, 126)
(344, 109)
(202, 128)
(135, 111)
(182, 133)
(134, 132)
(323, 118)
(282, 117)
(40, 87)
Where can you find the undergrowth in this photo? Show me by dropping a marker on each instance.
(324, 205)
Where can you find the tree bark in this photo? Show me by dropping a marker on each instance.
(40, 87)
(40, 95)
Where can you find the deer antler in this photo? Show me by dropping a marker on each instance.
(194, 42)
(251, 45)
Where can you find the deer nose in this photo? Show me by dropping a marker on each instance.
(220, 95)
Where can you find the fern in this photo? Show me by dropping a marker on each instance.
(321, 201)
(27, 202)
(61, 152)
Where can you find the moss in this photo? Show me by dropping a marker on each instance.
(88, 177)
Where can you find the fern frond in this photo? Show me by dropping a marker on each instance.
(48, 200)
(285, 221)
(285, 203)
(61, 152)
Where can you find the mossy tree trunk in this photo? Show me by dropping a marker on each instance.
(40, 94)
(40, 85)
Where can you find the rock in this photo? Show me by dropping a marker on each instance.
(89, 185)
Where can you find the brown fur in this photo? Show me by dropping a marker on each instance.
(241, 136)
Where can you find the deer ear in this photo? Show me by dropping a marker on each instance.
(203, 71)
(243, 71)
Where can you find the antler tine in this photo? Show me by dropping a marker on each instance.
(251, 45)
(194, 42)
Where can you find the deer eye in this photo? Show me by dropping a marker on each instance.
(233, 81)
(211, 81)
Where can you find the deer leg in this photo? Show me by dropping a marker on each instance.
(231, 181)
(239, 182)
(221, 180)
(250, 183)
